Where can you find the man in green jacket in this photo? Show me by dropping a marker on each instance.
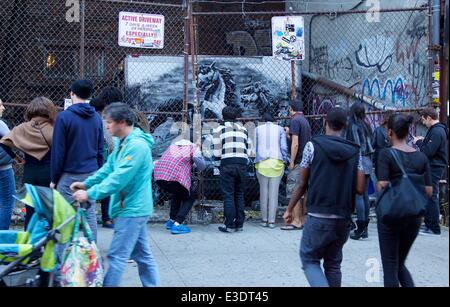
(126, 177)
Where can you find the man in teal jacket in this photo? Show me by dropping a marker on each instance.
(126, 177)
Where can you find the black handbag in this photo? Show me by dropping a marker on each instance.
(401, 200)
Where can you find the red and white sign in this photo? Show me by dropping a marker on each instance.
(141, 30)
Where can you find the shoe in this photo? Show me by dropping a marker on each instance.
(264, 224)
(108, 224)
(169, 224)
(291, 227)
(429, 232)
(423, 227)
(238, 229)
(226, 229)
(272, 225)
(361, 231)
(180, 229)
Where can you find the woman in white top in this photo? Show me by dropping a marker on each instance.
(271, 156)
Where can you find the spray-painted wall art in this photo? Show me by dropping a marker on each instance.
(384, 60)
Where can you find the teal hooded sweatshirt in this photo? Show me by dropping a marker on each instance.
(126, 177)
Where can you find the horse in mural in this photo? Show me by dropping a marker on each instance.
(258, 95)
(218, 87)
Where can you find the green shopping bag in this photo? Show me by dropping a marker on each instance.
(81, 261)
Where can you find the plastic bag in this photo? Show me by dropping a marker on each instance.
(81, 262)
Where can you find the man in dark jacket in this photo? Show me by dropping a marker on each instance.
(434, 146)
(77, 150)
(331, 168)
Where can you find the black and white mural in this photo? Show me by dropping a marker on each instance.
(253, 84)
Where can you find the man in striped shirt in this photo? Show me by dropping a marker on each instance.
(231, 146)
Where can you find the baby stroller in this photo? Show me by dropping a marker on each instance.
(27, 258)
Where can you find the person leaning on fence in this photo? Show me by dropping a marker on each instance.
(299, 134)
(397, 239)
(360, 132)
(7, 181)
(77, 150)
(127, 179)
(173, 174)
(231, 146)
(271, 155)
(331, 170)
(107, 96)
(34, 139)
(435, 147)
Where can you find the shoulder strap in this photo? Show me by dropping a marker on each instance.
(38, 126)
(356, 134)
(398, 161)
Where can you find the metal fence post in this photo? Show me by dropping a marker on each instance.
(82, 38)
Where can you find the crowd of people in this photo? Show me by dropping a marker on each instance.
(95, 150)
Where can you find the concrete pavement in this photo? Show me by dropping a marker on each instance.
(269, 257)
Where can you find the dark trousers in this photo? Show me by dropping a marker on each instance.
(432, 208)
(395, 242)
(105, 210)
(323, 239)
(232, 183)
(181, 199)
(38, 175)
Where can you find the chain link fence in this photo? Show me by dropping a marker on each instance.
(349, 56)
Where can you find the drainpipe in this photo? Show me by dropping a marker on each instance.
(444, 112)
(435, 52)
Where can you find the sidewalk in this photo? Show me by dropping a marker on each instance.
(269, 257)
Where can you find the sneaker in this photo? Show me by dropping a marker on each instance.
(169, 224)
(225, 229)
(429, 232)
(108, 224)
(264, 224)
(272, 225)
(238, 229)
(423, 227)
(180, 229)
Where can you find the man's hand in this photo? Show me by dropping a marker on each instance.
(417, 138)
(77, 186)
(288, 216)
(52, 185)
(80, 196)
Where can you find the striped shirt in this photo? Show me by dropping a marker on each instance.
(231, 143)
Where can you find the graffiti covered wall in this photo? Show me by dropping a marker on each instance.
(384, 57)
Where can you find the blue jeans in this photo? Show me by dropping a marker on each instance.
(323, 239)
(131, 240)
(432, 208)
(362, 203)
(7, 191)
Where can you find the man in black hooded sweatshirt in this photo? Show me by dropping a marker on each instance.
(331, 169)
(434, 146)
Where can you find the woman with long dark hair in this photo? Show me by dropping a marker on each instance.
(380, 138)
(360, 132)
(396, 239)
